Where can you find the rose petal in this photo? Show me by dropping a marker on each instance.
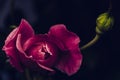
(70, 62)
(45, 67)
(25, 30)
(35, 39)
(24, 58)
(69, 39)
(19, 47)
(27, 60)
(12, 53)
(38, 40)
(71, 57)
(10, 40)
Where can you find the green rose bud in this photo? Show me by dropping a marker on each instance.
(12, 26)
(104, 23)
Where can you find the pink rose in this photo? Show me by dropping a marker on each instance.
(58, 49)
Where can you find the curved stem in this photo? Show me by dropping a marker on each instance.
(95, 39)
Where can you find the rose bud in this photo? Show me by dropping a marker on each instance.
(104, 23)
(59, 48)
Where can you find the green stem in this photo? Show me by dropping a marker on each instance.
(27, 74)
(34, 78)
(95, 39)
(38, 77)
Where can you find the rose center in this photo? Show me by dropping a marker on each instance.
(40, 51)
(46, 52)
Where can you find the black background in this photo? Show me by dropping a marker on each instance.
(100, 62)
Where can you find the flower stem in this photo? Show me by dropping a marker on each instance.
(38, 77)
(34, 78)
(27, 74)
(93, 41)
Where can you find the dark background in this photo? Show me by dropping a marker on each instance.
(100, 62)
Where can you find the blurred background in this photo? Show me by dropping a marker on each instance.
(100, 62)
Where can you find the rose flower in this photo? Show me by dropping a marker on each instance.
(57, 49)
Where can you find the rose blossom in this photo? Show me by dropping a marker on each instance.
(59, 49)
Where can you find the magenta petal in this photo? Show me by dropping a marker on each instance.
(20, 48)
(39, 40)
(25, 30)
(71, 57)
(10, 40)
(69, 39)
(12, 53)
(45, 67)
(24, 58)
(70, 63)
(28, 59)
(35, 39)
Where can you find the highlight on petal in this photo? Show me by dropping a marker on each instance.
(11, 38)
(70, 62)
(25, 30)
(69, 39)
(20, 48)
(45, 67)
